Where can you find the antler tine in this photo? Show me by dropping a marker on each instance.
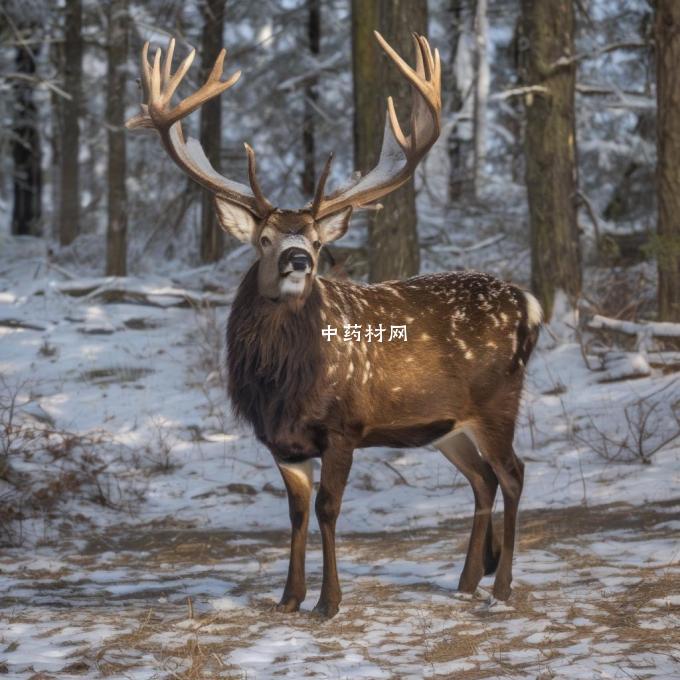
(396, 128)
(167, 65)
(179, 74)
(155, 94)
(321, 185)
(418, 82)
(424, 128)
(146, 70)
(421, 60)
(263, 204)
(218, 67)
(405, 69)
(157, 112)
(426, 53)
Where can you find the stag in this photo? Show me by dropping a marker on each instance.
(454, 381)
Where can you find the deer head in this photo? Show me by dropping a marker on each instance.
(288, 242)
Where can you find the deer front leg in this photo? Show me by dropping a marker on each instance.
(298, 478)
(335, 466)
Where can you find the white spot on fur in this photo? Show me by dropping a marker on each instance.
(424, 336)
(469, 355)
(491, 344)
(396, 389)
(462, 344)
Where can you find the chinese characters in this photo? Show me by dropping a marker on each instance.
(353, 332)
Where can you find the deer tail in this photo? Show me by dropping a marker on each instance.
(527, 330)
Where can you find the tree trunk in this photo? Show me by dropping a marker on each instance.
(116, 233)
(311, 98)
(392, 231)
(550, 146)
(481, 91)
(69, 204)
(212, 239)
(667, 39)
(457, 144)
(56, 133)
(26, 150)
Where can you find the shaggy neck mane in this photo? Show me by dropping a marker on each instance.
(274, 358)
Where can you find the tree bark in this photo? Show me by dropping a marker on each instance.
(311, 98)
(116, 233)
(458, 146)
(392, 231)
(212, 238)
(667, 40)
(56, 133)
(69, 179)
(481, 91)
(550, 148)
(26, 149)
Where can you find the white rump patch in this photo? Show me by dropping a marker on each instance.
(534, 310)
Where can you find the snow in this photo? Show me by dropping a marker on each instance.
(199, 515)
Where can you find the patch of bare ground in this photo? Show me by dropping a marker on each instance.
(173, 601)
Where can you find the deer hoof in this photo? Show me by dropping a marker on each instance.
(468, 583)
(325, 610)
(288, 605)
(501, 591)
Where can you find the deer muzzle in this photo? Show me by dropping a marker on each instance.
(295, 260)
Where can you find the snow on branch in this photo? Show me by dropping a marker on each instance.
(114, 289)
(643, 336)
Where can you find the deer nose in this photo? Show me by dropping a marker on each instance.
(294, 259)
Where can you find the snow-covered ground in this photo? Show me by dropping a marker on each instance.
(170, 545)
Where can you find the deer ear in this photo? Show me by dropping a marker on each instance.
(236, 220)
(334, 226)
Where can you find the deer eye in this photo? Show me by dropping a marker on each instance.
(264, 242)
(317, 245)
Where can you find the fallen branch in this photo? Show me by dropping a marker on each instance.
(641, 336)
(120, 289)
(448, 248)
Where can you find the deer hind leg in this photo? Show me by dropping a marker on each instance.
(483, 552)
(335, 468)
(298, 478)
(495, 442)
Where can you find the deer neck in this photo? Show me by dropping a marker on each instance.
(274, 359)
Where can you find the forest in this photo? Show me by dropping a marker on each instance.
(144, 527)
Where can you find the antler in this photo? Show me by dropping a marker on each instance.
(400, 153)
(159, 85)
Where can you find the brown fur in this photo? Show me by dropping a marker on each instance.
(468, 339)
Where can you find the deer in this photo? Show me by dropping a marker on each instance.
(454, 380)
